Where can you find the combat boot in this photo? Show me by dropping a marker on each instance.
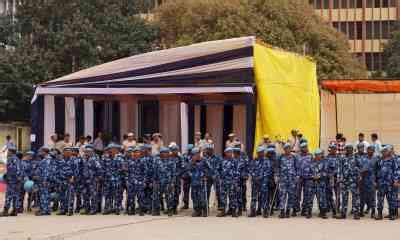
(221, 213)
(141, 212)
(252, 213)
(4, 213)
(294, 213)
(239, 213)
(287, 213)
(333, 212)
(373, 213)
(342, 216)
(265, 213)
(392, 214)
(362, 213)
(185, 206)
(379, 217)
(175, 211)
(170, 213)
(356, 215)
(204, 213)
(14, 212)
(323, 214)
(61, 213)
(309, 214)
(229, 212)
(303, 212)
(156, 213)
(258, 213)
(70, 213)
(196, 213)
(282, 214)
(234, 213)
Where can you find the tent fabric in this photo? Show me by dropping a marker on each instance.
(375, 86)
(197, 57)
(288, 96)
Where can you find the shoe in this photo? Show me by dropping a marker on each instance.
(288, 213)
(333, 213)
(309, 214)
(62, 213)
(282, 214)
(221, 213)
(175, 211)
(13, 213)
(204, 213)
(373, 213)
(258, 212)
(362, 213)
(117, 212)
(229, 212)
(303, 212)
(240, 213)
(265, 213)
(342, 216)
(70, 213)
(4, 213)
(379, 217)
(185, 207)
(252, 213)
(323, 214)
(196, 213)
(392, 214)
(156, 213)
(170, 213)
(294, 213)
(356, 216)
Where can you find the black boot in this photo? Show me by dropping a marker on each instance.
(294, 213)
(323, 214)
(239, 213)
(175, 211)
(379, 217)
(170, 212)
(287, 213)
(196, 213)
(258, 213)
(185, 206)
(221, 213)
(252, 213)
(362, 213)
(204, 212)
(61, 213)
(282, 214)
(309, 213)
(234, 213)
(373, 213)
(141, 211)
(70, 213)
(14, 213)
(333, 212)
(229, 212)
(4, 213)
(156, 213)
(342, 216)
(265, 213)
(303, 212)
(356, 215)
(392, 214)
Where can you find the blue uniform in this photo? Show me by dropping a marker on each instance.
(368, 165)
(180, 167)
(261, 174)
(315, 185)
(386, 176)
(136, 179)
(187, 159)
(288, 178)
(304, 170)
(332, 190)
(198, 171)
(349, 177)
(78, 183)
(148, 190)
(164, 183)
(91, 171)
(243, 168)
(67, 172)
(45, 175)
(230, 182)
(213, 179)
(14, 181)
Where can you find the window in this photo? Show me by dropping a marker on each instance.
(370, 3)
(368, 61)
(385, 3)
(343, 28)
(335, 25)
(377, 30)
(352, 32)
(377, 61)
(352, 3)
(318, 4)
(335, 4)
(359, 3)
(344, 4)
(393, 3)
(359, 30)
(377, 4)
(385, 30)
(326, 4)
(369, 30)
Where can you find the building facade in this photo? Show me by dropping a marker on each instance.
(366, 23)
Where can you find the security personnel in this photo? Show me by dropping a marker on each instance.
(180, 166)
(14, 179)
(214, 161)
(136, 180)
(187, 160)
(332, 193)
(304, 169)
(43, 176)
(368, 165)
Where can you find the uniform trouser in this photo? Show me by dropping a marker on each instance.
(315, 189)
(229, 191)
(89, 196)
(67, 197)
(259, 195)
(164, 191)
(186, 189)
(388, 192)
(287, 192)
(99, 196)
(13, 196)
(242, 200)
(148, 192)
(44, 196)
(178, 190)
(367, 195)
(217, 188)
(118, 192)
(198, 195)
(79, 195)
(108, 196)
(274, 191)
(298, 195)
(332, 196)
(346, 189)
(135, 192)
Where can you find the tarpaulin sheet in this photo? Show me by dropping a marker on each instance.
(352, 86)
(287, 95)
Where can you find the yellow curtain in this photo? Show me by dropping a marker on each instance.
(287, 95)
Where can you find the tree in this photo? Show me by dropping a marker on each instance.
(392, 55)
(53, 38)
(287, 24)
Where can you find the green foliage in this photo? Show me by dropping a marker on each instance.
(53, 38)
(392, 55)
(287, 24)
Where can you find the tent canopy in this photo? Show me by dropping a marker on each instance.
(225, 65)
(353, 86)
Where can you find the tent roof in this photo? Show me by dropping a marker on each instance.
(362, 85)
(216, 63)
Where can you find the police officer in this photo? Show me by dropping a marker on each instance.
(43, 177)
(187, 160)
(214, 161)
(136, 180)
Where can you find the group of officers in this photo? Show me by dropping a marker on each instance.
(70, 182)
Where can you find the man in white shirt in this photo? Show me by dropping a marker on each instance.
(129, 142)
(376, 143)
(361, 139)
